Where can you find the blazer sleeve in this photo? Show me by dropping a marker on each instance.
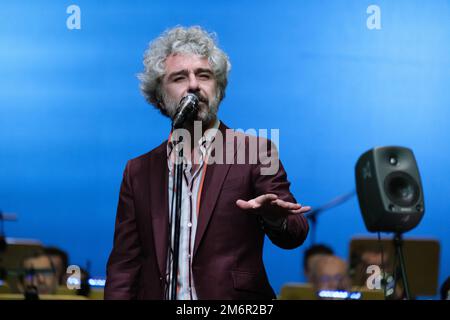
(274, 180)
(125, 260)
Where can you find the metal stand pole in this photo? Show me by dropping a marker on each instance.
(176, 241)
(398, 242)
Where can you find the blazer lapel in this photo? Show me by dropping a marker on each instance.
(158, 179)
(214, 178)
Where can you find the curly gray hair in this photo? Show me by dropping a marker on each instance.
(192, 40)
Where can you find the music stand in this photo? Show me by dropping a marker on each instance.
(421, 259)
(11, 260)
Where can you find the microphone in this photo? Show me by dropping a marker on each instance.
(186, 109)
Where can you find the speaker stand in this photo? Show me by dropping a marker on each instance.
(398, 243)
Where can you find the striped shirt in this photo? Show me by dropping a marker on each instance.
(192, 181)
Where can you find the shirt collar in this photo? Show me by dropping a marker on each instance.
(203, 143)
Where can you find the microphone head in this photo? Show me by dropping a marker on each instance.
(189, 99)
(186, 109)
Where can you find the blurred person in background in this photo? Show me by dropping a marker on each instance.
(329, 272)
(311, 254)
(39, 275)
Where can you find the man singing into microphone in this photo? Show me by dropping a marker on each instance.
(227, 207)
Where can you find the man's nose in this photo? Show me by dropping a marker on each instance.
(193, 83)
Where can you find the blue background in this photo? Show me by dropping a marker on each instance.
(71, 113)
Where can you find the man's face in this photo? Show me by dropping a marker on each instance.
(330, 273)
(186, 73)
(43, 276)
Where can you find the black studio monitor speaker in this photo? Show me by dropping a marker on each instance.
(389, 189)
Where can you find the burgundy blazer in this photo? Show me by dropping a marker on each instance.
(228, 251)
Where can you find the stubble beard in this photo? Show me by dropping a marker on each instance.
(207, 110)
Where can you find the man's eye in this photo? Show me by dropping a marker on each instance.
(204, 76)
(177, 79)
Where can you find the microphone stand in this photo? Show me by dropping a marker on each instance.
(313, 214)
(187, 108)
(178, 192)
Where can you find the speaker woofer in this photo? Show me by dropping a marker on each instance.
(401, 189)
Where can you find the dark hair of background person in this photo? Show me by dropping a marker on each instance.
(313, 250)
